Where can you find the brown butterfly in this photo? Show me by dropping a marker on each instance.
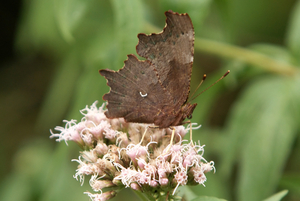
(155, 90)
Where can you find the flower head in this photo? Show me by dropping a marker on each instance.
(115, 157)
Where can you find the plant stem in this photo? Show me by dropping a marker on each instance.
(246, 55)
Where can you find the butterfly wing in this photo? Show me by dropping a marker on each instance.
(136, 92)
(155, 90)
(171, 52)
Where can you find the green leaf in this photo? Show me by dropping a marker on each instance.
(186, 192)
(207, 198)
(59, 96)
(38, 174)
(58, 177)
(128, 21)
(291, 182)
(68, 14)
(38, 28)
(90, 87)
(27, 173)
(262, 128)
(293, 39)
(277, 196)
(9, 186)
(214, 186)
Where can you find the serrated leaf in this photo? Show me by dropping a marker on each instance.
(263, 126)
(277, 196)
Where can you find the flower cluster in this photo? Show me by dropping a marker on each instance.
(115, 156)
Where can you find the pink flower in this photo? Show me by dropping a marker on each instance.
(101, 197)
(110, 134)
(199, 176)
(97, 130)
(101, 148)
(119, 154)
(136, 151)
(70, 132)
(97, 184)
(93, 113)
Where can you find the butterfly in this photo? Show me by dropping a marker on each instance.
(155, 90)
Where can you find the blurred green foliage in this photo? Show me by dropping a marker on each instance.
(250, 120)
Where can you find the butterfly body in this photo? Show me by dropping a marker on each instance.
(168, 117)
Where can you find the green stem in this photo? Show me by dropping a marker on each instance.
(239, 53)
(246, 55)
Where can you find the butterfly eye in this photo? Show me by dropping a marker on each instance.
(190, 116)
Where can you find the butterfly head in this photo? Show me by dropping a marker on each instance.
(187, 110)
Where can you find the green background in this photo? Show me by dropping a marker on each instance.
(250, 119)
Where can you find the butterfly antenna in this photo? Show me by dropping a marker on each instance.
(204, 77)
(210, 85)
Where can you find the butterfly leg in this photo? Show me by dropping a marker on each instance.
(144, 134)
(191, 131)
(191, 136)
(171, 141)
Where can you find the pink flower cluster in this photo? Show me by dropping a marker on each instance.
(115, 157)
